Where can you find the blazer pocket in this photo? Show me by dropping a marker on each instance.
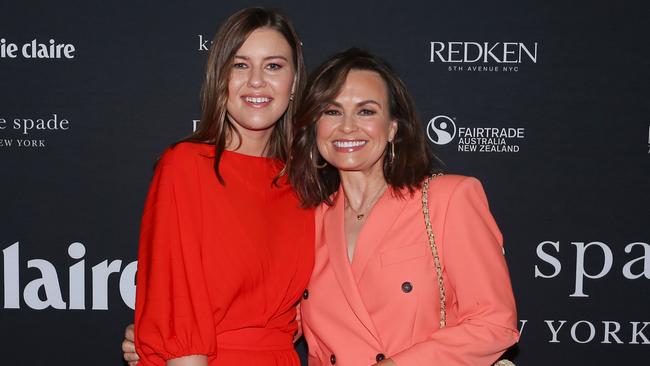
(403, 254)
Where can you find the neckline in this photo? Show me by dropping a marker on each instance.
(246, 156)
(238, 155)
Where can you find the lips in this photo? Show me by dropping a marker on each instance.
(348, 145)
(256, 101)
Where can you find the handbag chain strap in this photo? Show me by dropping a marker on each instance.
(434, 248)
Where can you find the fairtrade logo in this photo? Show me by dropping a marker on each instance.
(441, 130)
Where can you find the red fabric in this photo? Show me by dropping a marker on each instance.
(220, 268)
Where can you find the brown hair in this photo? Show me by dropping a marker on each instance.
(214, 127)
(413, 160)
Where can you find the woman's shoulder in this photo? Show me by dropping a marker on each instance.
(449, 185)
(453, 181)
(184, 152)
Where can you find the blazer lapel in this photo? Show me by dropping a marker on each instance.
(379, 222)
(334, 238)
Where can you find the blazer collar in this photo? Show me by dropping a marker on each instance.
(378, 222)
(334, 238)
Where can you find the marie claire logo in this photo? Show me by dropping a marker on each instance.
(24, 128)
(442, 130)
(43, 290)
(36, 49)
(483, 56)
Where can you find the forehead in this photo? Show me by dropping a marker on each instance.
(265, 42)
(363, 85)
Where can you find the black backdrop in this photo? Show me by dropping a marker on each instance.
(567, 83)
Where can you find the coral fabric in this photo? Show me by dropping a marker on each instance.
(386, 301)
(221, 268)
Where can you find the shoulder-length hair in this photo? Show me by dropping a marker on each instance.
(214, 127)
(413, 160)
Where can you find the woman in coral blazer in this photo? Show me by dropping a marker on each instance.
(373, 297)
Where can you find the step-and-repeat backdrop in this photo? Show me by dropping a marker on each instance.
(548, 105)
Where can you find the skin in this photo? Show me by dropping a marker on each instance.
(359, 114)
(262, 68)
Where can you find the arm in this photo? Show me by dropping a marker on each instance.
(298, 334)
(476, 272)
(189, 361)
(173, 316)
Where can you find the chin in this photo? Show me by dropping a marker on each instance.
(347, 166)
(260, 123)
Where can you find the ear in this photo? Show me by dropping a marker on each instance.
(392, 130)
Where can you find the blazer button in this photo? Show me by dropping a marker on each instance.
(333, 359)
(407, 287)
(380, 357)
(305, 295)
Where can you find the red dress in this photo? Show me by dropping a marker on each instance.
(220, 268)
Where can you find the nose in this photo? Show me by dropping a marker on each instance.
(256, 78)
(349, 123)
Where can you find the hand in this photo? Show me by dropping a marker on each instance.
(298, 333)
(128, 346)
(385, 362)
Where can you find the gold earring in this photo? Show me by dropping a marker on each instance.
(291, 97)
(392, 152)
(311, 157)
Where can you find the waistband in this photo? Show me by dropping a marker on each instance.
(255, 339)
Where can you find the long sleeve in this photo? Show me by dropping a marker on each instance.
(174, 316)
(477, 278)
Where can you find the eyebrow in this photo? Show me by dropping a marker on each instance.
(362, 103)
(265, 58)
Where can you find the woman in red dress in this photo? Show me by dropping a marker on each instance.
(225, 251)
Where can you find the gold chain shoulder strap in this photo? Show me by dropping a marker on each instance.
(436, 259)
(434, 248)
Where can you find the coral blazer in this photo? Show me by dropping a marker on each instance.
(386, 303)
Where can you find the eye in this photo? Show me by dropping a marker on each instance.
(239, 65)
(332, 112)
(367, 112)
(273, 66)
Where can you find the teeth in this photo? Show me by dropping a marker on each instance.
(349, 143)
(257, 100)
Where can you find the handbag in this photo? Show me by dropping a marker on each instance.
(436, 259)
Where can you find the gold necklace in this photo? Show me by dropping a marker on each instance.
(361, 215)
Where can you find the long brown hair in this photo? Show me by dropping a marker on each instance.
(214, 127)
(413, 159)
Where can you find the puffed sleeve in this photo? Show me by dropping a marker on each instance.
(476, 272)
(173, 313)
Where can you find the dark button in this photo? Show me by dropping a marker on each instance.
(407, 287)
(380, 357)
(305, 295)
(333, 359)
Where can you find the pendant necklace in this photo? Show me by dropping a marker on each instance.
(360, 215)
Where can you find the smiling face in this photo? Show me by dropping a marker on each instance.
(261, 81)
(353, 131)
